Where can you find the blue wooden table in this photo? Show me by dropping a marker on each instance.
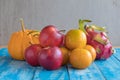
(11, 69)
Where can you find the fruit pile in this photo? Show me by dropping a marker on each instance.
(51, 48)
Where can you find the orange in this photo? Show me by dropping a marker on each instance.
(65, 53)
(80, 58)
(92, 51)
(75, 38)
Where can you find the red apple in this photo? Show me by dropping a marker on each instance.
(50, 58)
(31, 54)
(50, 36)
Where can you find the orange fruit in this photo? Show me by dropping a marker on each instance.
(75, 38)
(65, 53)
(20, 40)
(80, 58)
(92, 51)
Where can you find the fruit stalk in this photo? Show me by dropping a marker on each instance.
(81, 24)
(22, 24)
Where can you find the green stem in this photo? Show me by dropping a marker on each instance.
(22, 25)
(62, 31)
(81, 24)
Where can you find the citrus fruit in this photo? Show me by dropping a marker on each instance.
(75, 38)
(65, 53)
(80, 58)
(92, 51)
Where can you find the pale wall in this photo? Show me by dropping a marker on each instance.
(62, 13)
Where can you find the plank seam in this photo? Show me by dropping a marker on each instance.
(99, 70)
(68, 71)
(116, 58)
(33, 74)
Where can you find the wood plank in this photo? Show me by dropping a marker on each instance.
(117, 53)
(110, 68)
(99, 70)
(4, 52)
(9, 65)
(93, 72)
(12, 69)
(59, 74)
(90, 73)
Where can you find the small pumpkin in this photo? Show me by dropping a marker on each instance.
(20, 40)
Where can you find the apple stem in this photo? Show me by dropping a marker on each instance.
(22, 24)
(62, 31)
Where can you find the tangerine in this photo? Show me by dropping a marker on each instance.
(80, 58)
(75, 38)
(65, 53)
(92, 51)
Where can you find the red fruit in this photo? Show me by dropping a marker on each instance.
(90, 33)
(97, 37)
(100, 41)
(31, 54)
(50, 36)
(50, 58)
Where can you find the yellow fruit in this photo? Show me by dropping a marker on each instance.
(75, 39)
(80, 58)
(19, 41)
(65, 53)
(92, 51)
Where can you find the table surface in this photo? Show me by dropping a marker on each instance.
(11, 69)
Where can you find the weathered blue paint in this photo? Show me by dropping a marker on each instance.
(11, 69)
(90, 73)
(15, 70)
(4, 52)
(59, 74)
(110, 68)
(117, 53)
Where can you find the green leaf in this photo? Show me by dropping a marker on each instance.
(100, 40)
(32, 32)
(98, 28)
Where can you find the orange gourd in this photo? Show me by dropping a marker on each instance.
(20, 40)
